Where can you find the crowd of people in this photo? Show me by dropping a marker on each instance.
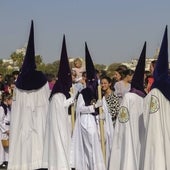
(85, 120)
(113, 90)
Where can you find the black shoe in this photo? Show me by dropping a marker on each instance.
(3, 166)
(6, 163)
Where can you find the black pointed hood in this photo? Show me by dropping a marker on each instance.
(161, 78)
(29, 78)
(90, 92)
(90, 69)
(137, 84)
(64, 82)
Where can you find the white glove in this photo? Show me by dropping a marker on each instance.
(99, 103)
(68, 102)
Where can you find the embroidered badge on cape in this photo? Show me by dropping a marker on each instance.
(154, 104)
(123, 115)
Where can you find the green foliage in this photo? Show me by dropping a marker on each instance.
(111, 68)
(100, 67)
(50, 68)
(38, 60)
(17, 59)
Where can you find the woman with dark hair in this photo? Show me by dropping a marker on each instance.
(112, 100)
(118, 72)
(110, 110)
(123, 86)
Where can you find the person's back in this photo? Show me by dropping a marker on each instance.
(129, 127)
(156, 153)
(28, 114)
(126, 141)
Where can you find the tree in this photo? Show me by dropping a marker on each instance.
(112, 68)
(100, 67)
(50, 68)
(38, 60)
(17, 59)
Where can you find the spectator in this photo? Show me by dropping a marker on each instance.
(111, 99)
(51, 80)
(5, 109)
(150, 78)
(123, 86)
(15, 75)
(110, 110)
(78, 67)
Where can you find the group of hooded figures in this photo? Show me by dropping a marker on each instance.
(41, 134)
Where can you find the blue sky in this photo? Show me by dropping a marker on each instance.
(114, 30)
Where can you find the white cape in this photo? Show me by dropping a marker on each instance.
(86, 153)
(58, 135)
(157, 149)
(129, 128)
(108, 131)
(27, 128)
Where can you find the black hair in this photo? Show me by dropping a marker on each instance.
(127, 72)
(109, 81)
(6, 95)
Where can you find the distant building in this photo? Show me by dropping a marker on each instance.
(21, 50)
(7, 61)
(132, 64)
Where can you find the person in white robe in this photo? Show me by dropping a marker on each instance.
(157, 146)
(86, 152)
(129, 127)
(58, 127)
(28, 114)
(5, 112)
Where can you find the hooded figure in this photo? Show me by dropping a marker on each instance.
(86, 153)
(157, 115)
(28, 114)
(129, 126)
(58, 127)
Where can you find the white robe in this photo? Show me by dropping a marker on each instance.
(157, 149)
(86, 153)
(58, 135)
(3, 128)
(108, 130)
(129, 129)
(27, 129)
